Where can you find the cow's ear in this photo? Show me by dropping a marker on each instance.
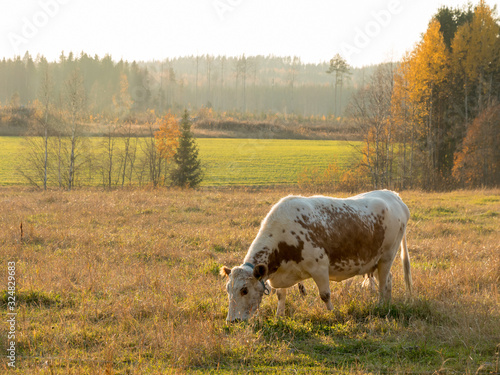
(260, 271)
(224, 271)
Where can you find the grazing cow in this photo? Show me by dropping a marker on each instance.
(323, 238)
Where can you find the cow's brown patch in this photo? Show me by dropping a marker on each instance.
(348, 235)
(285, 252)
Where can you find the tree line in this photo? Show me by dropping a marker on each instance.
(433, 120)
(244, 84)
(57, 153)
(430, 121)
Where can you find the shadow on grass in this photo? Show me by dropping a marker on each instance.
(362, 334)
(35, 298)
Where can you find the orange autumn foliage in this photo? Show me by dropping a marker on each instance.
(167, 136)
(478, 163)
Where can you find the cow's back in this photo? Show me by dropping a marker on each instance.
(348, 236)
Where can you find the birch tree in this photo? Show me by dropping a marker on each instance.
(75, 101)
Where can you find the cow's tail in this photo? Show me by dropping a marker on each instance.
(405, 259)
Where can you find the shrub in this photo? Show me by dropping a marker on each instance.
(351, 179)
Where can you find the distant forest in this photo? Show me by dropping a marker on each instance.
(244, 84)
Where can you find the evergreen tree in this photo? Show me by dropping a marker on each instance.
(188, 171)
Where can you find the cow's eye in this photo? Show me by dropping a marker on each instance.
(244, 291)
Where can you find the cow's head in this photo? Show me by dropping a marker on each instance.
(245, 289)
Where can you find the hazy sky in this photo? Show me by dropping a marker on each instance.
(364, 32)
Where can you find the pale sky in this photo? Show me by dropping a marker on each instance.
(364, 32)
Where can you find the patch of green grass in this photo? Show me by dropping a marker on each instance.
(490, 213)
(210, 267)
(486, 200)
(10, 153)
(226, 161)
(440, 211)
(267, 161)
(432, 265)
(32, 298)
(459, 220)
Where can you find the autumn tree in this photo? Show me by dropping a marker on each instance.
(75, 101)
(370, 109)
(432, 67)
(339, 69)
(475, 65)
(122, 101)
(460, 80)
(209, 65)
(448, 79)
(128, 152)
(478, 162)
(188, 172)
(293, 71)
(109, 151)
(37, 153)
(482, 59)
(159, 147)
(403, 110)
(35, 157)
(171, 88)
(421, 93)
(167, 137)
(451, 19)
(241, 71)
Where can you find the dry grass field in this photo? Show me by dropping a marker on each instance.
(126, 282)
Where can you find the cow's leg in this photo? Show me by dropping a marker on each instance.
(323, 283)
(281, 293)
(302, 289)
(385, 282)
(369, 282)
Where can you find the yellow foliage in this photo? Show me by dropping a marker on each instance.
(482, 49)
(334, 177)
(167, 137)
(123, 102)
(206, 113)
(431, 59)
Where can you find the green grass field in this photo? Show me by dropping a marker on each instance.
(226, 161)
(267, 161)
(10, 155)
